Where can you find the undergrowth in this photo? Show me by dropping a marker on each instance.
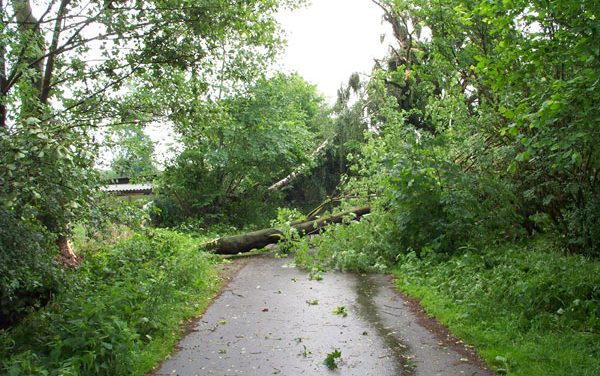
(357, 246)
(528, 308)
(119, 314)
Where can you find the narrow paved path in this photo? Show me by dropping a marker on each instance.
(263, 324)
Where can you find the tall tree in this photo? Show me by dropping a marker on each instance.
(133, 153)
(236, 147)
(65, 66)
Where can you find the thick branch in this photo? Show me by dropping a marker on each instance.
(285, 181)
(46, 82)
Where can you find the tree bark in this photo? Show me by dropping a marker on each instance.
(47, 78)
(29, 26)
(67, 256)
(231, 245)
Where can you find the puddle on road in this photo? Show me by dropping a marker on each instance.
(366, 290)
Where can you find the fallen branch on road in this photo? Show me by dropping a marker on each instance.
(229, 245)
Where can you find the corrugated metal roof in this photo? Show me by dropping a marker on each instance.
(144, 187)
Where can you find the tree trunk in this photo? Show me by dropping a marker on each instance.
(230, 245)
(298, 171)
(67, 256)
(31, 35)
(41, 81)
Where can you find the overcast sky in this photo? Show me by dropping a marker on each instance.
(331, 39)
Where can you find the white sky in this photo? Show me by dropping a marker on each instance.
(331, 39)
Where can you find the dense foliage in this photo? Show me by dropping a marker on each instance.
(29, 274)
(477, 132)
(236, 147)
(71, 75)
(483, 137)
(120, 312)
(133, 153)
(473, 138)
(62, 75)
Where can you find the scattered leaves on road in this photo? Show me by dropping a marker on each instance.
(341, 311)
(332, 358)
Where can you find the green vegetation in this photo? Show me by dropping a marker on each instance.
(474, 140)
(481, 165)
(120, 313)
(340, 311)
(527, 308)
(78, 78)
(29, 274)
(235, 148)
(332, 358)
(133, 152)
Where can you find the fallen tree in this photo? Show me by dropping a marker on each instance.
(230, 245)
(299, 171)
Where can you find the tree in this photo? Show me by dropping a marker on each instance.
(133, 153)
(546, 74)
(64, 70)
(236, 147)
(487, 121)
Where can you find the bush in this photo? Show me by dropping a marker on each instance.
(434, 203)
(29, 274)
(122, 302)
(544, 288)
(583, 227)
(427, 202)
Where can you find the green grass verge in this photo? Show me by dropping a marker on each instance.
(529, 309)
(120, 313)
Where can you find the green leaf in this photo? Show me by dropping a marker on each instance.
(32, 121)
(332, 358)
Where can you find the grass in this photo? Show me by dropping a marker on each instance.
(120, 313)
(529, 309)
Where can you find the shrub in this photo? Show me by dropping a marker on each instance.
(582, 225)
(358, 246)
(29, 274)
(434, 203)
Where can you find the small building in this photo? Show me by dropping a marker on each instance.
(123, 187)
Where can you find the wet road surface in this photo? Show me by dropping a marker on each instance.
(272, 320)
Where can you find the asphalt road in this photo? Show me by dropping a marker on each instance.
(272, 320)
